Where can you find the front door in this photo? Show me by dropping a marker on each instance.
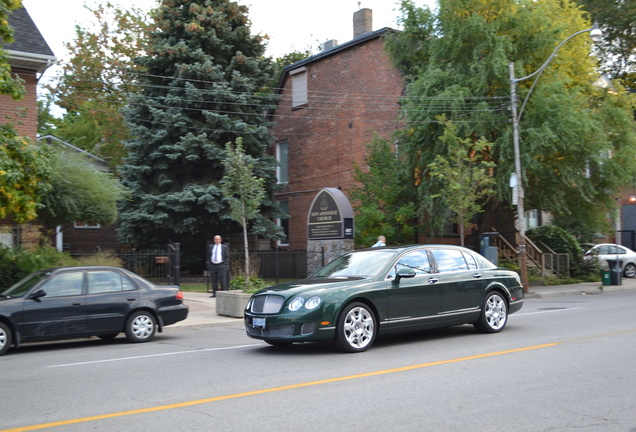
(61, 312)
(417, 300)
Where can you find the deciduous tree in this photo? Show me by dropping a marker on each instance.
(93, 86)
(577, 141)
(243, 191)
(464, 176)
(24, 176)
(617, 49)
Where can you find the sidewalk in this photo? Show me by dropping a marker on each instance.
(203, 311)
(203, 307)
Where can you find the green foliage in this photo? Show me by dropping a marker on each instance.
(24, 175)
(463, 175)
(243, 191)
(80, 191)
(379, 198)
(249, 285)
(205, 85)
(9, 84)
(241, 188)
(561, 241)
(556, 238)
(617, 20)
(15, 265)
(94, 84)
(577, 141)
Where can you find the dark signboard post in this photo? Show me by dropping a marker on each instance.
(330, 216)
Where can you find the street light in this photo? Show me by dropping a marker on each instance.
(595, 34)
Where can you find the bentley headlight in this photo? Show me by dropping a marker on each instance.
(312, 303)
(296, 304)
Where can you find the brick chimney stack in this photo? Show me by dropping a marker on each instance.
(362, 22)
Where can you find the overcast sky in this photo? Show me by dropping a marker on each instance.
(291, 24)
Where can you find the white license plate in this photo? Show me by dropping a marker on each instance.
(258, 322)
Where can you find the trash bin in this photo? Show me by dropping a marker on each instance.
(616, 270)
(606, 276)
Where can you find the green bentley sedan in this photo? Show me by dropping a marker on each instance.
(384, 290)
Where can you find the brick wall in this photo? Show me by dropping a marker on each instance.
(23, 113)
(90, 240)
(352, 95)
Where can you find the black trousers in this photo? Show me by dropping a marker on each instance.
(219, 276)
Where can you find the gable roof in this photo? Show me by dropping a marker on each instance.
(29, 50)
(338, 48)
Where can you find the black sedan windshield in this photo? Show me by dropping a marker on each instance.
(356, 264)
(22, 287)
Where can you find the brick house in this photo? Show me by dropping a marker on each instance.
(332, 104)
(29, 56)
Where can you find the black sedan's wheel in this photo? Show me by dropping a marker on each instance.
(141, 326)
(5, 338)
(356, 328)
(494, 314)
(629, 271)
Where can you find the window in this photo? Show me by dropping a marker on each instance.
(65, 284)
(449, 260)
(108, 281)
(281, 158)
(284, 223)
(84, 225)
(417, 261)
(299, 87)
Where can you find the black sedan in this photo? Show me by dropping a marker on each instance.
(74, 302)
(384, 290)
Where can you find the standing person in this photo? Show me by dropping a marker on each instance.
(381, 241)
(219, 265)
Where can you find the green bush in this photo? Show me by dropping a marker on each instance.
(16, 265)
(238, 283)
(10, 271)
(560, 241)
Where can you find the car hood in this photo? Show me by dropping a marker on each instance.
(313, 284)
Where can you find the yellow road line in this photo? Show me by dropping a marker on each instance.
(269, 390)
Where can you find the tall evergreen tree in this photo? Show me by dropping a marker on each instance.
(577, 141)
(204, 86)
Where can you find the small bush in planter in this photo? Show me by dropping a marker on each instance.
(238, 283)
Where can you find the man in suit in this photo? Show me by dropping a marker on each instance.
(219, 265)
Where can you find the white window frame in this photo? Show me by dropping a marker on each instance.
(282, 157)
(82, 225)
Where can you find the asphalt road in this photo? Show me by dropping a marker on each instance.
(563, 363)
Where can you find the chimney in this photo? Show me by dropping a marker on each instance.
(327, 45)
(362, 22)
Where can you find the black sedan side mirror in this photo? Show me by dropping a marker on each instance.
(37, 295)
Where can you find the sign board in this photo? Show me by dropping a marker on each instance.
(330, 216)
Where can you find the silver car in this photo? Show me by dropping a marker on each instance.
(612, 252)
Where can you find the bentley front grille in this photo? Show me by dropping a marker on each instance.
(267, 304)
